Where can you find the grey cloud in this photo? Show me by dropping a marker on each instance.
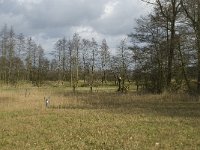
(48, 15)
(121, 21)
(60, 13)
(9, 7)
(57, 18)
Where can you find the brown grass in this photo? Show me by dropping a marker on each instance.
(97, 121)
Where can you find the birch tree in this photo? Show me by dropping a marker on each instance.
(104, 58)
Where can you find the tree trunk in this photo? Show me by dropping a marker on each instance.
(171, 53)
(183, 67)
(119, 83)
(198, 47)
(198, 54)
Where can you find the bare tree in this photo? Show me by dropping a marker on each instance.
(124, 60)
(20, 50)
(150, 53)
(75, 60)
(192, 12)
(105, 58)
(93, 58)
(85, 57)
(170, 9)
(11, 56)
(4, 49)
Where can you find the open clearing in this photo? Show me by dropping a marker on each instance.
(97, 121)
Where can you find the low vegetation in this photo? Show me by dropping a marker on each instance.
(101, 120)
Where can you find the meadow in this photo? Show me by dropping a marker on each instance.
(104, 119)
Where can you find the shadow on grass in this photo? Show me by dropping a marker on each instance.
(4, 100)
(170, 105)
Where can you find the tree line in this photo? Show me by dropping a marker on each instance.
(164, 54)
(166, 46)
(74, 59)
(83, 59)
(21, 58)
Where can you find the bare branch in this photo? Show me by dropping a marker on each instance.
(148, 2)
(187, 13)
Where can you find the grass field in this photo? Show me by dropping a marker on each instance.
(103, 120)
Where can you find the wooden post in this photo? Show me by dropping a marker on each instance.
(119, 81)
(47, 102)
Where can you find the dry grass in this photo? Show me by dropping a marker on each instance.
(97, 121)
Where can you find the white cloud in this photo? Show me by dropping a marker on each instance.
(109, 9)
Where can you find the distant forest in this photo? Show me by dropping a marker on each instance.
(164, 54)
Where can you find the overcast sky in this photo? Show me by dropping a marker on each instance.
(48, 20)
